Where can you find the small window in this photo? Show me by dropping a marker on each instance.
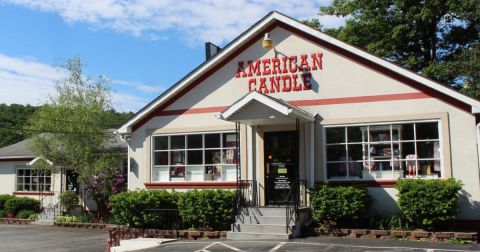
(33, 180)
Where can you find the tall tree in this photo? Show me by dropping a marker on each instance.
(71, 129)
(431, 37)
(13, 119)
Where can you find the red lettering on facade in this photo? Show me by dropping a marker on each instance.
(240, 70)
(276, 66)
(284, 61)
(306, 81)
(293, 64)
(296, 86)
(252, 82)
(266, 66)
(263, 86)
(304, 66)
(286, 86)
(317, 60)
(274, 84)
(253, 68)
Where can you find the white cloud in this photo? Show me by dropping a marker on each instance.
(28, 81)
(196, 20)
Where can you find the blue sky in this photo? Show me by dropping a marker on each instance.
(142, 46)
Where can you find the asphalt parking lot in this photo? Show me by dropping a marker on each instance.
(312, 244)
(33, 238)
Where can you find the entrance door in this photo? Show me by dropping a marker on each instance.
(281, 152)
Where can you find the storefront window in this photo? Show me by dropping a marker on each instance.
(194, 157)
(386, 151)
(33, 180)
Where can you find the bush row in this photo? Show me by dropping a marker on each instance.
(12, 204)
(202, 210)
(425, 204)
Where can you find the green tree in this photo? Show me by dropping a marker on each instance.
(432, 38)
(13, 118)
(71, 129)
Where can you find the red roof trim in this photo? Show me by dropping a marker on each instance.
(33, 193)
(304, 103)
(191, 185)
(430, 91)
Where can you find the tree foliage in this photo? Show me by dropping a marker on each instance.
(72, 128)
(12, 118)
(438, 39)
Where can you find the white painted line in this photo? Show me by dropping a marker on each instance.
(277, 247)
(205, 249)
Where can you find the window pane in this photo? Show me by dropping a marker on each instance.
(336, 170)
(213, 172)
(195, 157)
(229, 156)
(27, 172)
(212, 141)
(19, 180)
(161, 143)
(160, 174)
(428, 149)
(380, 133)
(195, 141)
(20, 187)
(336, 153)
(356, 151)
(48, 179)
(177, 142)
(229, 140)
(407, 149)
(20, 172)
(406, 131)
(429, 169)
(212, 156)
(177, 157)
(177, 172)
(194, 173)
(355, 169)
(161, 158)
(229, 173)
(380, 151)
(354, 134)
(427, 130)
(335, 135)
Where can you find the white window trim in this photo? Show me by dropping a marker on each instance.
(324, 146)
(31, 168)
(203, 133)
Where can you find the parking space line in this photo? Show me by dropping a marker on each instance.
(277, 247)
(205, 249)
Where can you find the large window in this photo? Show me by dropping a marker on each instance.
(384, 151)
(33, 180)
(194, 157)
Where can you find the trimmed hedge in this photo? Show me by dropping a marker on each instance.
(339, 205)
(15, 204)
(428, 203)
(132, 208)
(3, 199)
(68, 199)
(3, 213)
(207, 209)
(203, 210)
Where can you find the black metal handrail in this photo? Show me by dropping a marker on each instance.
(296, 197)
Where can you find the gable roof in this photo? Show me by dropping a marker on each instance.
(266, 24)
(283, 107)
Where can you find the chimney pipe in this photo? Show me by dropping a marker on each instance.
(211, 50)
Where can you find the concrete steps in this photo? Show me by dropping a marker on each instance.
(262, 223)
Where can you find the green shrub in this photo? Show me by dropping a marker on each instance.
(207, 209)
(428, 203)
(136, 208)
(3, 199)
(66, 218)
(84, 218)
(24, 214)
(68, 199)
(3, 213)
(391, 222)
(339, 205)
(16, 204)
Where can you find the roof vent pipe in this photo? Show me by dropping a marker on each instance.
(211, 50)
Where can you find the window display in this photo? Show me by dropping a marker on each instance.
(383, 151)
(194, 157)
